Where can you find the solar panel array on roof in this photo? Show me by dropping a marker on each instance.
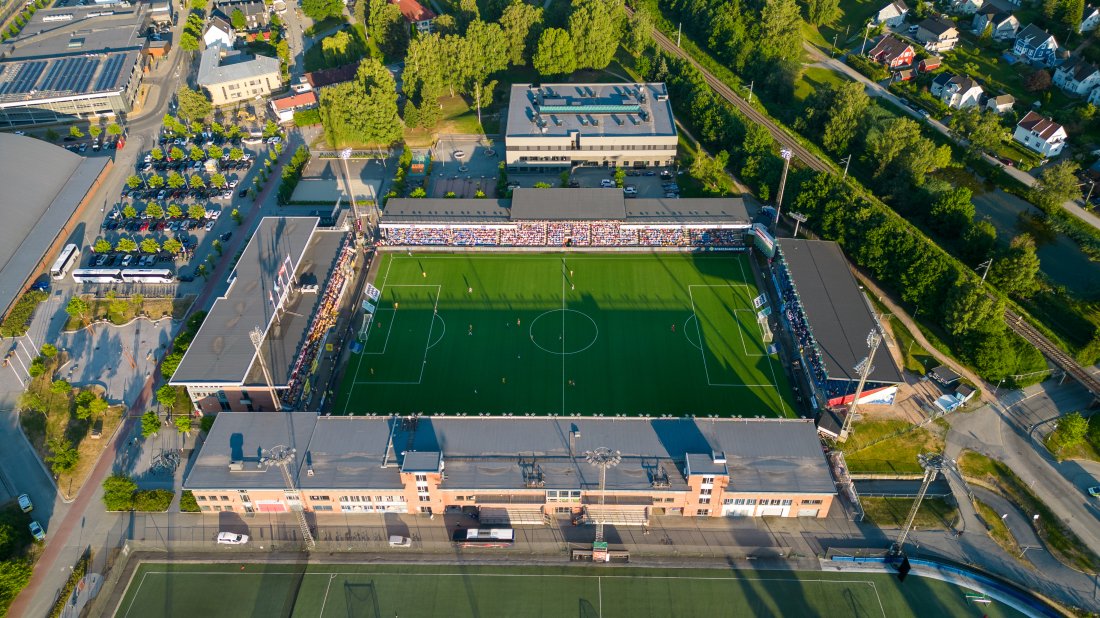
(70, 74)
(111, 69)
(24, 79)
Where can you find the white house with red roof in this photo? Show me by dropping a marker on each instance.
(1041, 134)
(416, 14)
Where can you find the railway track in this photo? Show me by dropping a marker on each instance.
(1015, 322)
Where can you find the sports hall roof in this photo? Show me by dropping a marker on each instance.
(728, 210)
(837, 311)
(412, 211)
(590, 110)
(495, 453)
(43, 184)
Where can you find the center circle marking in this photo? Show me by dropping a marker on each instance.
(564, 351)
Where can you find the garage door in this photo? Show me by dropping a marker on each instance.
(808, 512)
(737, 511)
(772, 511)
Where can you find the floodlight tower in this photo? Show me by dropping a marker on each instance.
(603, 458)
(283, 457)
(345, 154)
(932, 465)
(864, 367)
(257, 337)
(786, 154)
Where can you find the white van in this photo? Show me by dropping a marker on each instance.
(232, 538)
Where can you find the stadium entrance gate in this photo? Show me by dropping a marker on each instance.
(730, 510)
(616, 515)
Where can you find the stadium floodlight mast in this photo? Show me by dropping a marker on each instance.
(603, 458)
(786, 154)
(283, 457)
(345, 154)
(932, 465)
(864, 367)
(799, 219)
(257, 337)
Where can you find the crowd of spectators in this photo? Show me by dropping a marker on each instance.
(323, 319)
(562, 233)
(807, 346)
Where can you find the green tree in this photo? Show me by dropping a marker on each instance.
(197, 154)
(639, 31)
(521, 22)
(1057, 184)
(364, 110)
(819, 12)
(711, 172)
(74, 131)
(173, 246)
(236, 215)
(319, 10)
(155, 181)
(554, 54)
(983, 130)
(340, 48)
(217, 179)
(95, 131)
(196, 181)
(175, 180)
(174, 211)
(167, 396)
(150, 424)
(978, 242)
(150, 245)
(102, 245)
(236, 18)
(835, 112)
(113, 129)
(1016, 270)
(154, 210)
(183, 423)
(126, 245)
(952, 212)
(467, 14)
(48, 350)
(217, 246)
(98, 407)
(157, 154)
(1071, 431)
(970, 308)
(134, 181)
(78, 308)
(118, 492)
(176, 153)
(129, 211)
(779, 31)
(193, 104)
(215, 152)
(236, 154)
(63, 456)
(60, 387)
(595, 27)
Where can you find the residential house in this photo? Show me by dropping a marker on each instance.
(893, 14)
(1002, 24)
(929, 64)
(937, 34)
(219, 31)
(1090, 19)
(1094, 96)
(904, 75)
(416, 14)
(1040, 134)
(966, 7)
(158, 49)
(256, 14)
(893, 52)
(232, 76)
(1035, 45)
(1077, 76)
(957, 91)
(1000, 104)
(284, 107)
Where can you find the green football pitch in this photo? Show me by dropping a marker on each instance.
(405, 591)
(654, 333)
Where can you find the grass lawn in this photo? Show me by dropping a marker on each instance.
(1061, 541)
(997, 529)
(813, 79)
(873, 447)
(849, 27)
(377, 591)
(891, 512)
(651, 333)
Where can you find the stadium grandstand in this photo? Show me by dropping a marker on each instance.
(566, 218)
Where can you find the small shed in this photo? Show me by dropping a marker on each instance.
(944, 375)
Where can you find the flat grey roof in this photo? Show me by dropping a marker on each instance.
(592, 110)
(492, 453)
(241, 437)
(91, 30)
(43, 184)
(222, 352)
(33, 80)
(836, 309)
(568, 204)
(700, 210)
(234, 66)
(445, 211)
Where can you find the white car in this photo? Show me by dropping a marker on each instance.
(607, 184)
(213, 214)
(210, 225)
(25, 503)
(233, 183)
(400, 541)
(37, 532)
(232, 538)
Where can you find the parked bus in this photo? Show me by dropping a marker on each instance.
(70, 255)
(97, 275)
(148, 275)
(485, 537)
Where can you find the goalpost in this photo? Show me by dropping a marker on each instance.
(765, 328)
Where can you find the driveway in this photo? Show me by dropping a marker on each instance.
(463, 164)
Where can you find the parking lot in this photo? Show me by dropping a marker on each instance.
(464, 165)
(645, 183)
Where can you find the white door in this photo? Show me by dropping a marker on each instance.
(808, 512)
(772, 511)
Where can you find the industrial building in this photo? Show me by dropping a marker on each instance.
(562, 126)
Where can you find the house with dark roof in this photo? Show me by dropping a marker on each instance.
(892, 15)
(937, 34)
(416, 14)
(1090, 19)
(256, 14)
(1040, 134)
(219, 31)
(1035, 45)
(1000, 104)
(957, 91)
(966, 7)
(1003, 25)
(1077, 76)
(892, 52)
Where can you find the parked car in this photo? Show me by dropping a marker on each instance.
(25, 503)
(226, 236)
(37, 532)
(230, 538)
(1094, 491)
(400, 541)
(126, 259)
(630, 190)
(209, 225)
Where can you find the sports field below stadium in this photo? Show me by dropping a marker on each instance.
(572, 333)
(405, 591)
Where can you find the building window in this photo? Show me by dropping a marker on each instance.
(811, 502)
(425, 498)
(563, 510)
(705, 491)
(704, 500)
(702, 512)
(218, 508)
(422, 489)
(323, 507)
(708, 480)
(776, 502)
(320, 499)
(205, 508)
(421, 478)
(786, 503)
(225, 498)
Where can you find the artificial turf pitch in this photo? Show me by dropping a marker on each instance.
(383, 591)
(565, 333)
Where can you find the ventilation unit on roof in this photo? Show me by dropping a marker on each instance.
(662, 97)
(557, 121)
(584, 121)
(644, 115)
(595, 121)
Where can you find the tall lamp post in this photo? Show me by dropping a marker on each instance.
(932, 465)
(786, 154)
(864, 368)
(345, 154)
(603, 458)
